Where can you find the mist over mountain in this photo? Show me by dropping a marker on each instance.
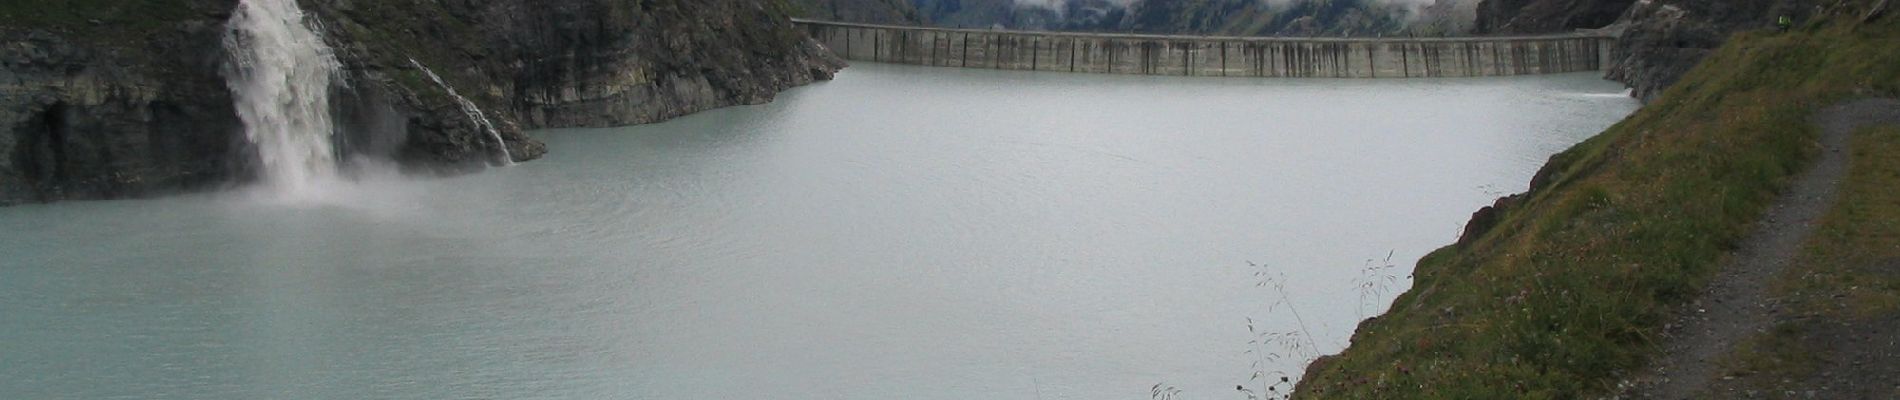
(1298, 17)
(898, 12)
(1210, 17)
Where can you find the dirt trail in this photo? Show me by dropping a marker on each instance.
(1737, 304)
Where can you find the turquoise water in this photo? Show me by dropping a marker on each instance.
(900, 232)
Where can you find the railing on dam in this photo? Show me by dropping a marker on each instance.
(1214, 55)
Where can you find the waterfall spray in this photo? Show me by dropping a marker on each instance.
(473, 112)
(280, 74)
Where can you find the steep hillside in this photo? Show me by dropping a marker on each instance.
(124, 98)
(1563, 292)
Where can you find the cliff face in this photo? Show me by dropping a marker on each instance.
(584, 62)
(1663, 39)
(130, 108)
(126, 99)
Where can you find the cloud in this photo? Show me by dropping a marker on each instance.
(1405, 3)
(1060, 4)
(1406, 10)
(1401, 9)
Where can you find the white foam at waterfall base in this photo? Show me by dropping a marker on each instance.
(280, 74)
(1624, 93)
(473, 112)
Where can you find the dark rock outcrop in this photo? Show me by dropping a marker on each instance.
(1660, 40)
(126, 99)
(570, 64)
(1663, 39)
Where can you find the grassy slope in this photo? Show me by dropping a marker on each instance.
(1848, 275)
(1858, 237)
(1572, 286)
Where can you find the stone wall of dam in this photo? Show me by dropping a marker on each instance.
(1216, 56)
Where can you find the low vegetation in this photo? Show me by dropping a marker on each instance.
(1851, 269)
(1846, 285)
(1568, 291)
(121, 19)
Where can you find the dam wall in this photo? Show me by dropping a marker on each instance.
(1214, 55)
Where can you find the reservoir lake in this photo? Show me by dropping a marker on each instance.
(898, 233)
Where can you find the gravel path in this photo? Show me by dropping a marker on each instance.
(1737, 304)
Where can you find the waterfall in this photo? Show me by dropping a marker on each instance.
(280, 74)
(474, 113)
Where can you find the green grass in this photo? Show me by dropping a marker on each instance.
(1781, 352)
(1568, 293)
(1839, 275)
(1849, 270)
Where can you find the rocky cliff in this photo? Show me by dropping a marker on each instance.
(126, 99)
(106, 102)
(1660, 39)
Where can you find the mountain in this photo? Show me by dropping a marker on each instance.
(1209, 17)
(1545, 16)
(984, 14)
(888, 12)
(1256, 18)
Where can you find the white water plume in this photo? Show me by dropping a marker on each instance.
(473, 112)
(280, 74)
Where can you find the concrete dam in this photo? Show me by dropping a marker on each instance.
(1108, 53)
